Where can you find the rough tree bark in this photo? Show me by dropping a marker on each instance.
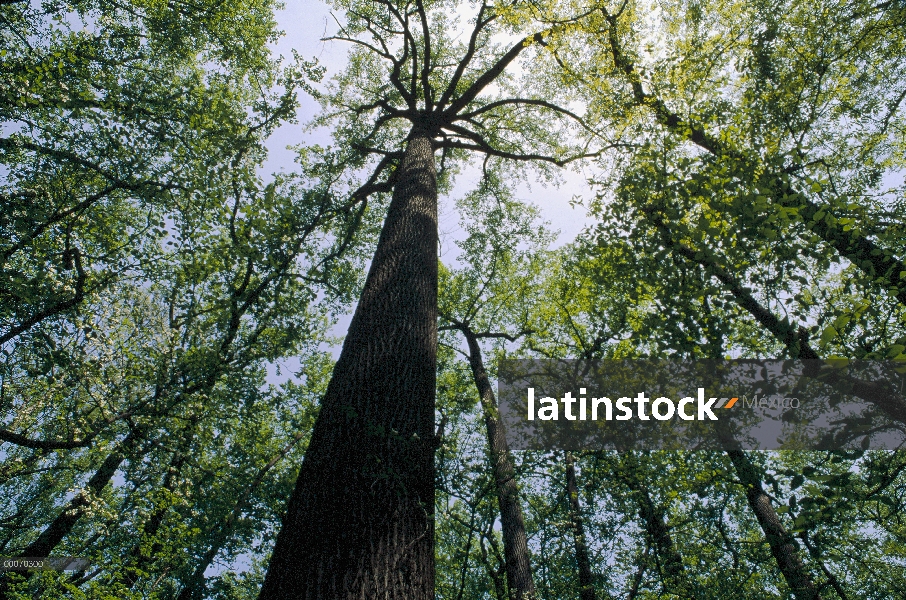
(360, 521)
(783, 545)
(515, 545)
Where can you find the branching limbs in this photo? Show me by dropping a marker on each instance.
(440, 86)
(481, 21)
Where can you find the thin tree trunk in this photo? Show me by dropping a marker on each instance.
(194, 587)
(499, 583)
(54, 533)
(359, 523)
(673, 572)
(795, 340)
(575, 514)
(831, 578)
(783, 545)
(639, 573)
(515, 544)
(877, 263)
(153, 524)
(670, 563)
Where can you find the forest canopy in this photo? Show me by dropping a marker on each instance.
(175, 405)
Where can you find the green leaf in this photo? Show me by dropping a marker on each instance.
(828, 334)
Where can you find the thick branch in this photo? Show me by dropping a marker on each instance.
(426, 59)
(489, 76)
(528, 102)
(21, 440)
(469, 55)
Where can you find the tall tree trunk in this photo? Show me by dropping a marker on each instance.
(783, 545)
(669, 560)
(575, 514)
(515, 544)
(359, 523)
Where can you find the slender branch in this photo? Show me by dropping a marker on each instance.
(525, 101)
(426, 59)
(469, 55)
(487, 149)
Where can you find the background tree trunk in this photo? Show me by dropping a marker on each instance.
(669, 561)
(54, 533)
(783, 545)
(360, 521)
(515, 544)
(575, 513)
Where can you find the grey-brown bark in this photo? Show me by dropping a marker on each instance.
(816, 556)
(515, 544)
(360, 521)
(496, 574)
(575, 514)
(783, 545)
(670, 563)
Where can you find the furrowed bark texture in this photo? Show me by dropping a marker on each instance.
(515, 544)
(360, 521)
(783, 546)
(575, 512)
